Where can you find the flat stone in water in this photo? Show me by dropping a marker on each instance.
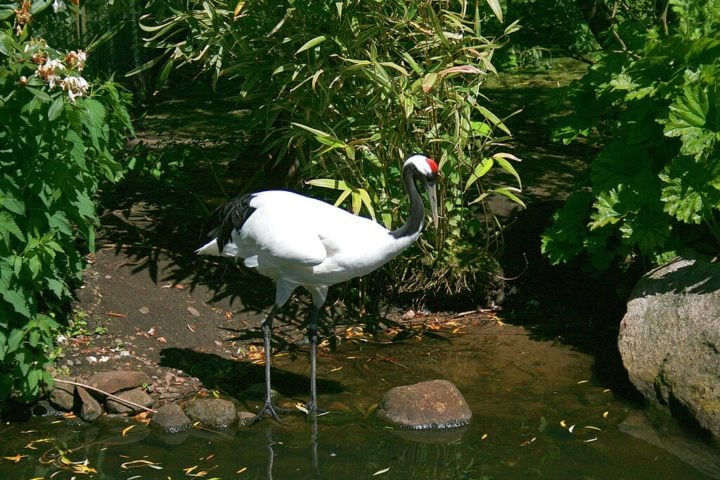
(212, 412)
(136, 395)
(435, 404)
(171, 419)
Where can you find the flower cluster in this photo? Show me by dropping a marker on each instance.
(22, 16)
(63, 73)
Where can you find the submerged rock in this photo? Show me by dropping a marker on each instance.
(212, 412)
(670, 339)
(435, 404)
(171, 418)
(136, 395)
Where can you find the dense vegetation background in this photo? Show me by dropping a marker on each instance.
(335, 95)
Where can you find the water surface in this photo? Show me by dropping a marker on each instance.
(538, 413)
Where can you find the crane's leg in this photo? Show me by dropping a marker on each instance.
(268, 407)
(313, 338)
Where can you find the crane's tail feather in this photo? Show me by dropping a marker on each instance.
(210, 248)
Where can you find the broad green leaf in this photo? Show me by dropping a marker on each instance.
(41, 95)
(15, 338)
(11, 203)
(311, 43)
(56, 108)
(18, 301)
(8, 225)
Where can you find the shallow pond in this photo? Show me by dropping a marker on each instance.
(538, 413)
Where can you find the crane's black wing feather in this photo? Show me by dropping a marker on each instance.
(232, 216)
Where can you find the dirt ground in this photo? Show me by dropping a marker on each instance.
(148, 303)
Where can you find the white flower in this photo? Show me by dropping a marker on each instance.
(49, 71)
(75, 86)
(76, 59)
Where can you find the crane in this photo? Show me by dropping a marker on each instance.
(300, 241)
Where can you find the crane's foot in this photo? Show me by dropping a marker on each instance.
(269, 409)
(313, 410)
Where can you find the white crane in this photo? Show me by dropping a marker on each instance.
(299, 241)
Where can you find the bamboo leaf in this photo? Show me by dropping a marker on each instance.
(365, 198)
(496, 8)
(507, 166)
(329, 183)
(311, 43)
(509, 192)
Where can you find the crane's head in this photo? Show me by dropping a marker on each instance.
(425, 170)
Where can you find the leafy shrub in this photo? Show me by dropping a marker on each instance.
(656, 110)
(57, 140)
(346, 90)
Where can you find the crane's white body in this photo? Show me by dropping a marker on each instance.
(301, 241)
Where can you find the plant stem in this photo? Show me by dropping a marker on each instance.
(114, 397)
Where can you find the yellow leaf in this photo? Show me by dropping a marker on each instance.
(16, 458)
(126, 430)
(238, 9)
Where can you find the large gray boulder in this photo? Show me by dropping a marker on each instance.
(670, 339)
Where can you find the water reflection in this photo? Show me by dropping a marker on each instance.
(525, 395)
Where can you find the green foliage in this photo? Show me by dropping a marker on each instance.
(656, 110)
(347, 89)
(57, 140)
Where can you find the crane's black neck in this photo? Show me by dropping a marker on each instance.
(414, 222)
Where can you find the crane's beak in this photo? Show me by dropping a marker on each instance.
(432, 198)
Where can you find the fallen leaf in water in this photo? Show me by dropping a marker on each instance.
(582, 381)
(484, 436)
(563, 423)
(380, 472)
(31, 445)
(572, 427)
(528, 442)
(336, 369)
(591, 427)
(590, 440)
(605, 414)
(242, 470)
(16, 458)
(140, 463)
(189, 470)
(191, 327)
(126, 430)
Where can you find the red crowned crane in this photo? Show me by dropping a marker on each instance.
(299, 241)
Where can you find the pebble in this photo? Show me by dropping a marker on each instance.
(193, 311)
(144, 310)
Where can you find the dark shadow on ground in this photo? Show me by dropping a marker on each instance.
(234, 378)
